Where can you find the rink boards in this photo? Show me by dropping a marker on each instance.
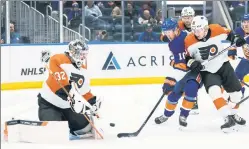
(108, 64)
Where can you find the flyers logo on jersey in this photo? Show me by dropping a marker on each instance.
(78, 79)
(208, 50)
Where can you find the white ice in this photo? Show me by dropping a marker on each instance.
(127, 107)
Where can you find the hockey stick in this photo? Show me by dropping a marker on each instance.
(134, 134)
(45, 60)
(243, 100)
(244, 83)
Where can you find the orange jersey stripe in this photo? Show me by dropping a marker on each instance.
(181, 66)
(216, 29)
(88, 95)
(190, 40)
(187, 104)
(169, 106)
(219, 103)
(60, 74)
(181, 25)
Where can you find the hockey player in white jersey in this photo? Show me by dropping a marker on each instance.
(53, 101)
(187, 15)
(202, 46)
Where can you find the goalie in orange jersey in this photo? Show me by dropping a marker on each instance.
(54, 103)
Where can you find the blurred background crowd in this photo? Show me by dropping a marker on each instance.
(104, 21)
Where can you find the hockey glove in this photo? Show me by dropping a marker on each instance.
(194, 65)
(77, 101)
(168, 85)
(238, 40)
(96, 104)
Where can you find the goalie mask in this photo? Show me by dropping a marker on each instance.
(78, 52)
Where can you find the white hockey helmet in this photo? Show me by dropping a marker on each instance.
(78, 51)
(199, 22)
(187, 11)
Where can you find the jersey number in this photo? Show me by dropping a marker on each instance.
(78, 79)
(208, 50)
(182, 56)
(60, 75)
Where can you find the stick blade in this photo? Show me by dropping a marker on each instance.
(122, 135)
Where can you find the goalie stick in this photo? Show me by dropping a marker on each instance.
(134, 134)
(45, 58)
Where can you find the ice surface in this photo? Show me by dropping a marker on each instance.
(127, 107)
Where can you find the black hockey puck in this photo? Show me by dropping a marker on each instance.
(112, 124)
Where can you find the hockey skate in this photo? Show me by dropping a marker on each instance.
(195, 110)
(230, 125)
(239, 120)
(161, 119)
(182, 122)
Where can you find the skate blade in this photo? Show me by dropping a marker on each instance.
(182, 128)
(230, 130)
(194, 112)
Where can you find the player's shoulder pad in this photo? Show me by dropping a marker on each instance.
(190, 40)
(217, 29)
(60, 59)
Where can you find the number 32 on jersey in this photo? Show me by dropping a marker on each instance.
(77, 78)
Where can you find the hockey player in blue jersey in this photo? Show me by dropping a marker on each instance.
(242, 69)
(183, 82)
(243, 30)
